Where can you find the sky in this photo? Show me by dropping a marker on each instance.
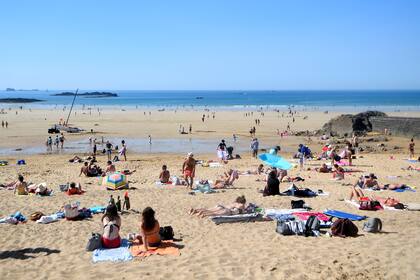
(210, 44)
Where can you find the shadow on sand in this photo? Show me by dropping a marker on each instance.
(27, 253)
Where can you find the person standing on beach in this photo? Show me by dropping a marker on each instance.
(411, 148)
(2, 124)
(49, 143)
(108, 146)
(254, 147)
(150, 139)
(62, 140)
(6, 124)
(190, 129)
(56, 141)
(94, 149)
(188, 169)
(123, 151)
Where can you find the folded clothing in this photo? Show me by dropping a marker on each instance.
(119, 254)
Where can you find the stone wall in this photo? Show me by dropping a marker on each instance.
(399, 126)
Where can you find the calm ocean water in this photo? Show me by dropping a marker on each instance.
(390, 99)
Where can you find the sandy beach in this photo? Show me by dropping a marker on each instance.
(227, 251)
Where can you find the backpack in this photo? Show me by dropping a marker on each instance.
(95, 242)
(290, 227)
(312, 226)
(373, 225)
(371, 205)
(344, 228)
(166, 233)
(297, 204)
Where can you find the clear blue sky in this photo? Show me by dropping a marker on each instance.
(213, 44)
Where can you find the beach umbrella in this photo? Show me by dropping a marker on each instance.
(275, 161)
(115, 181)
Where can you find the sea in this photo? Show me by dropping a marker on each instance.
(333, 100)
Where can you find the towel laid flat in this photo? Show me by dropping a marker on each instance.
(344, 215)
(254, 217)
(120, 254)
(166, 247)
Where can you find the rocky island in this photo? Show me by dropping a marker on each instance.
(19, 100)
(94, 94)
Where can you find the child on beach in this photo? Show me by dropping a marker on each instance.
(164, 175)
(411, 148)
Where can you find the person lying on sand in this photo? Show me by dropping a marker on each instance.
(226, 180)
(338, 173)
(323, 169)
(74, 189)
(232, 209)
(164, 175)
(76, 159)
(21, 187)
(111, 223)
(258, 171)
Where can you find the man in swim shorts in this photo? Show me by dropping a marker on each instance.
(188, 170)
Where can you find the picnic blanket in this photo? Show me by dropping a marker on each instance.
(167, 247)
(120, 254)
(240, 218)
(344, 215)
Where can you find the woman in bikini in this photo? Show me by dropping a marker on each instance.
(149, 229)
(227, 179)
(21, 187)
(233, 209)
(111, 222)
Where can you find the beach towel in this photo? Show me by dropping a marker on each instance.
(159, 183)
(412, 160)
(120, 254)
(215, 164)
(344, 215)
(343, 163)
(305, 215)
(203, 188)
(167, 247)
(97, 209)
(241, 218)
(406, 189)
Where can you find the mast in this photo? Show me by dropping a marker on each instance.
(71, 108)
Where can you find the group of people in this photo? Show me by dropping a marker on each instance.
(4, 124)
(91, 169)
(57, 142)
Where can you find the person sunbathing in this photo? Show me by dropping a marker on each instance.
(232, 209)
(74, 189)
(356, 192)
(75, 159)
(338, 173)
(164, 175)
(21, 187)
(226, 180)
(323, 169)
(111, 222)
(258, 171)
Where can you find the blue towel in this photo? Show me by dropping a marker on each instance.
(344, 215)
(406, 189)
(97, 209)
(120, 254)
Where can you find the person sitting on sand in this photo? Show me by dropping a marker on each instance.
(164, 175)
(111, 222)
(110, 168)
(74, 189)
(188, 169)
(273, 185)
(232, 209)
(370, 181)
(149, 229)
(323, 169)
(21, 187)
(356, 192)
(338, 173)
(226, 180)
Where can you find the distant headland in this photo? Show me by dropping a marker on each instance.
(19, 100)
(94, 94)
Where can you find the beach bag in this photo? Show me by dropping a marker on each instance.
(373, 225)
(297, 204)
(166, 233)
(371, 205)
(344, 228)
(312, 226)
(36, 216)
(71, 211)
(95, 242)
(290, 227)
